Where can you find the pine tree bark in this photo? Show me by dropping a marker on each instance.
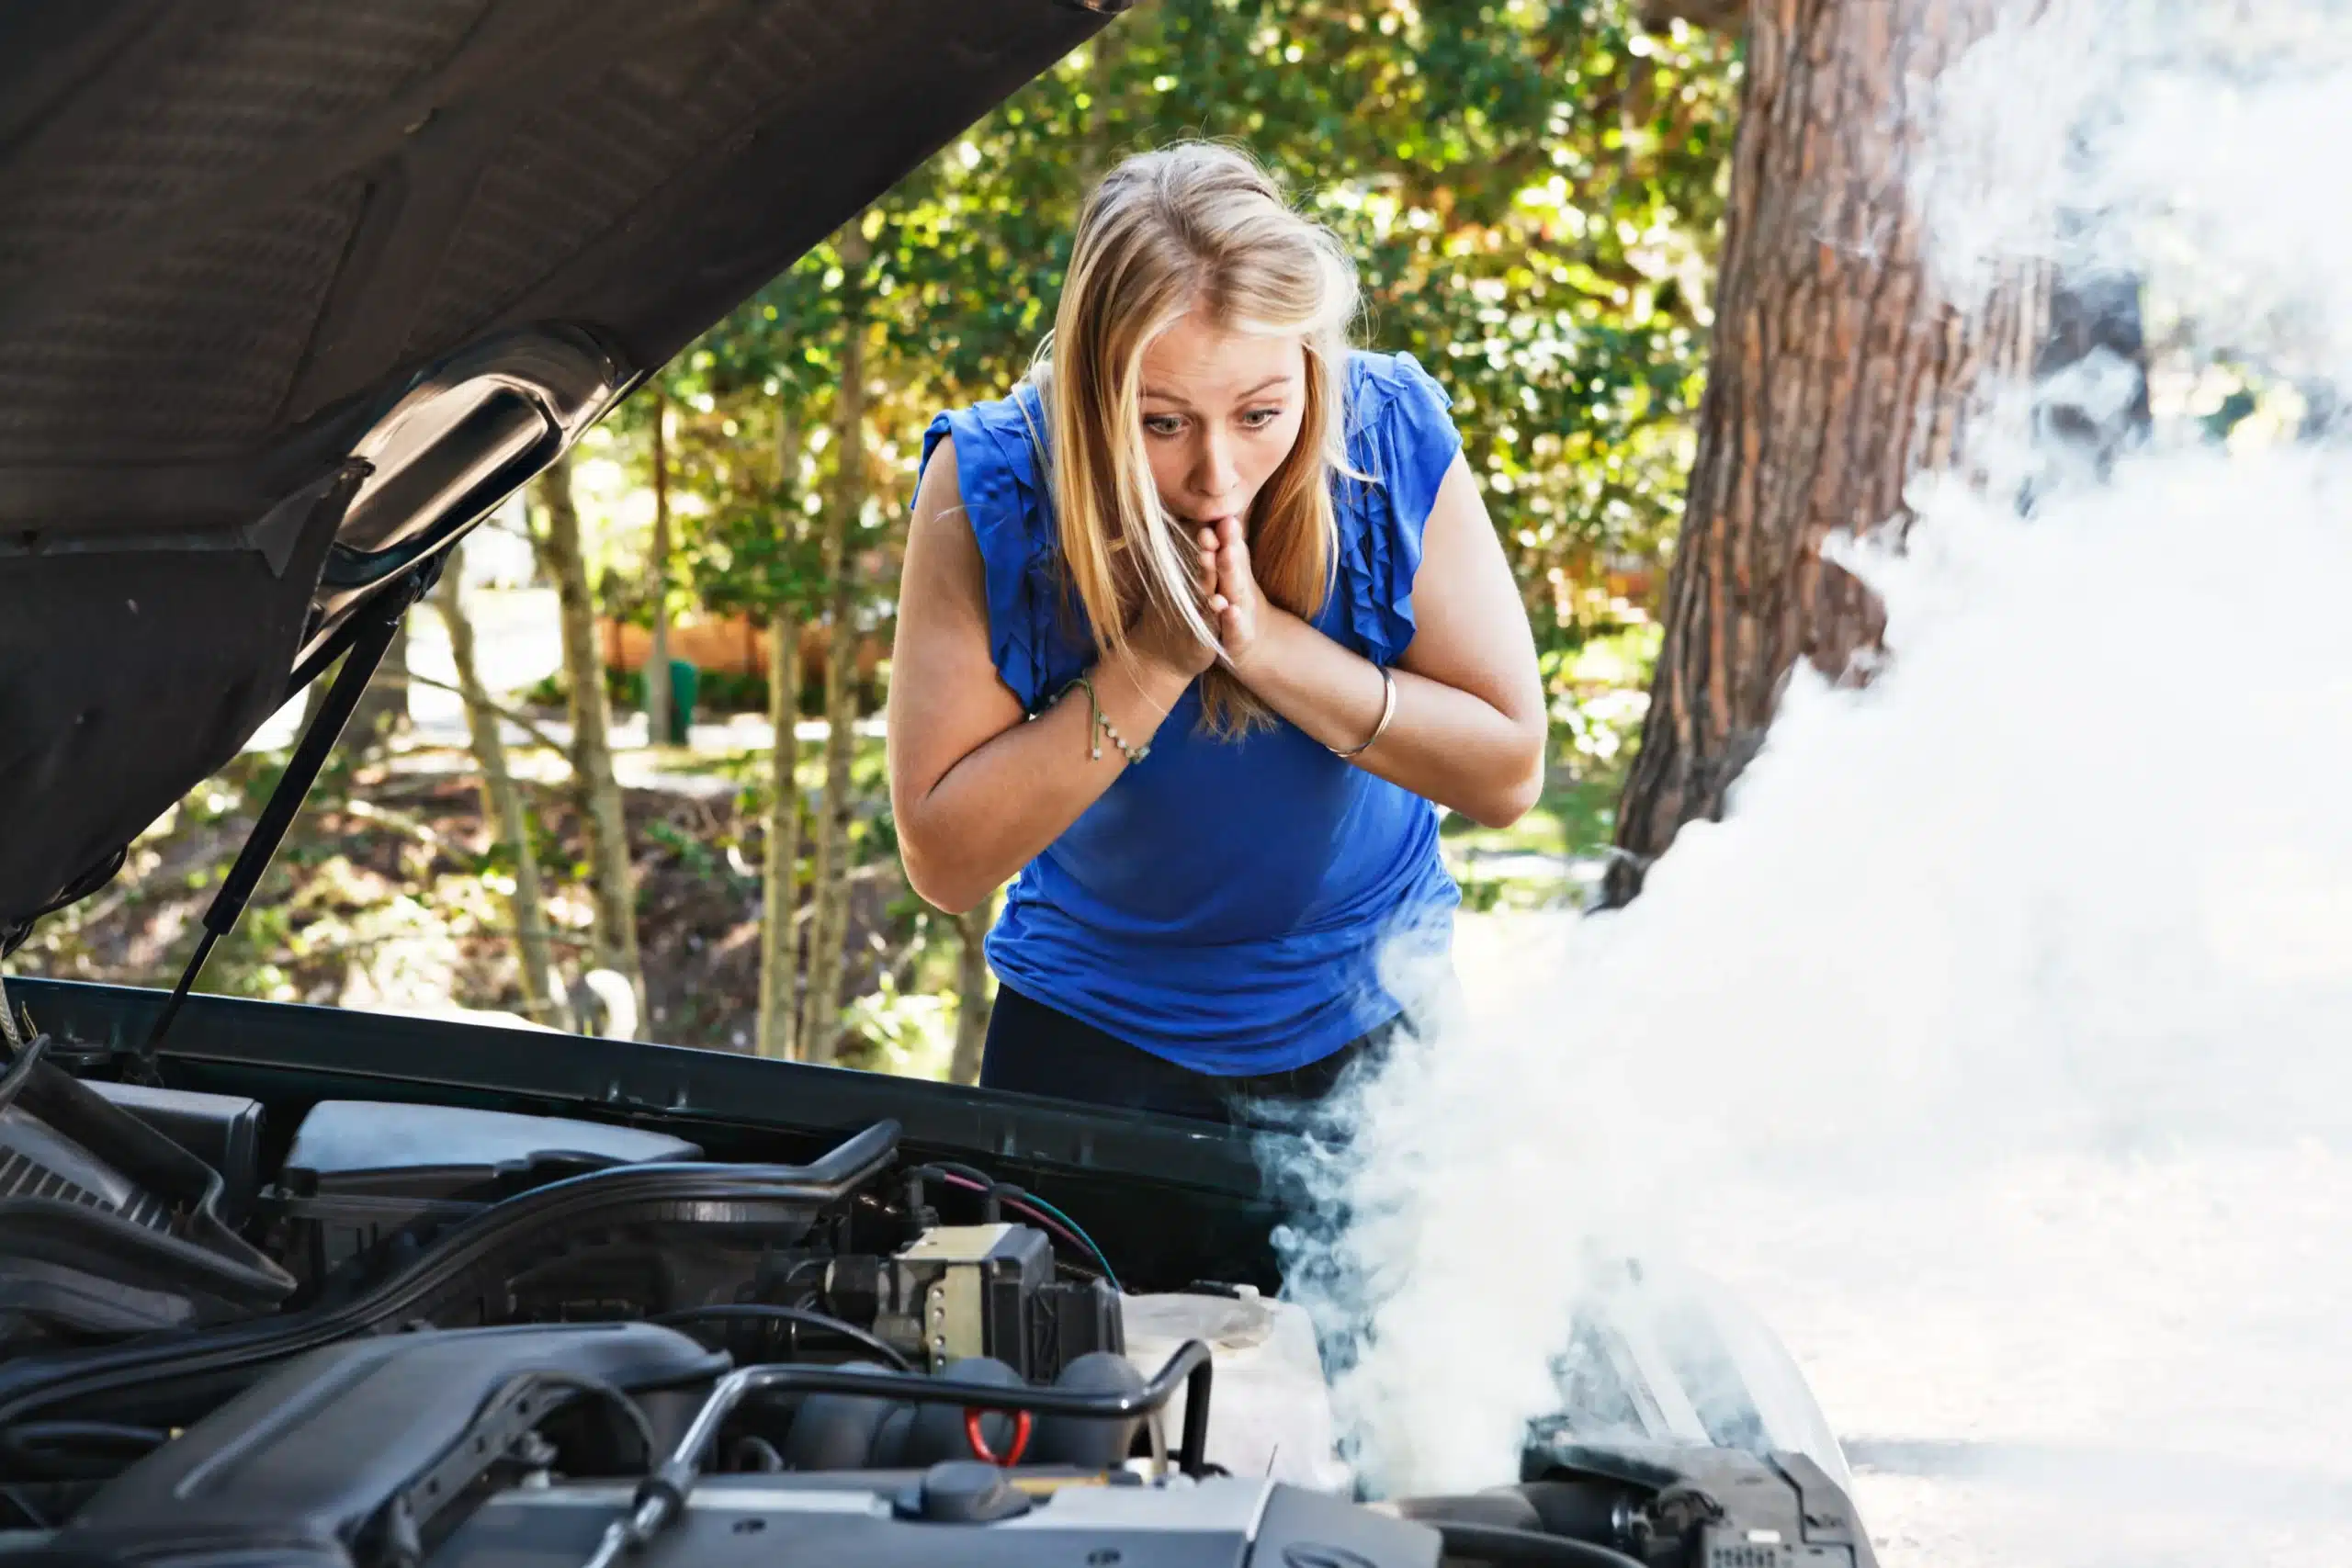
(658, 720)
(596, 791)
(502, 809)
(1836, 374)
(821, 1018)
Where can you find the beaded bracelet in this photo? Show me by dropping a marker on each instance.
(1102, 725)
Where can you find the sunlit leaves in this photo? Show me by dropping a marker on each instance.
(1530, 188)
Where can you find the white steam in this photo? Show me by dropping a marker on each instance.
(1999, 1043)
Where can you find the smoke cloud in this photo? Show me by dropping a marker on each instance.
(1996, 1044)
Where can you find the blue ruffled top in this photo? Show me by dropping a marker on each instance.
(1225, 904)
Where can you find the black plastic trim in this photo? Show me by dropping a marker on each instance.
(675, 1085)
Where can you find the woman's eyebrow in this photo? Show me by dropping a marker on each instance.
(1158, 396)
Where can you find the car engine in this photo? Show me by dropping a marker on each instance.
(423, 1334)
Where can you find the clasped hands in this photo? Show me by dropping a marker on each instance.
(1232, 604)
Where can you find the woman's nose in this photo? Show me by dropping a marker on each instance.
(1213, 475)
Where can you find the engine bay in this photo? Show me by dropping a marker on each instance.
(406, 1333)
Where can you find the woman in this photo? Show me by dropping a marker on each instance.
(1195, 629)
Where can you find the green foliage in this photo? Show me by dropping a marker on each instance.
(1531, 187)
(910, 1034)
(1599, 691)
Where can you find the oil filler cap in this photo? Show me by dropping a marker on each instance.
(961, 1492)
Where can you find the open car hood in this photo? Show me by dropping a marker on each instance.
(293, 292)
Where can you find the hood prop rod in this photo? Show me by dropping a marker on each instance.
(374, 627)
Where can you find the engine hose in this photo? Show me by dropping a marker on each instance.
(75, 1449)
(761, 1312)
(28, 1057)
(1495, 1543)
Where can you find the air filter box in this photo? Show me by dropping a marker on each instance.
(360, 1172)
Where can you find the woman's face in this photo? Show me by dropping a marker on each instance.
(1221, 410)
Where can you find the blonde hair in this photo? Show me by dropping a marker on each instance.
(1196, 224)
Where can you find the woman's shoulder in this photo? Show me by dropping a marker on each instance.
(1006, 431)
(999, 452)
(997, 448)
(1399, 424)
(1381, 384)
(1401, 442)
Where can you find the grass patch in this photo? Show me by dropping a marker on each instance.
(1529, 864)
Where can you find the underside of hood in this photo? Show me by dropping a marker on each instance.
(293, 292)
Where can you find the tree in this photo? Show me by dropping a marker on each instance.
(502, 814)
(1836, 373)
(660, 726)
(745, 396)
(780, 874)
(821, 1013)
(596, 791)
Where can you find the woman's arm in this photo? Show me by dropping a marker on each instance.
(1468, 731)
(976, 789)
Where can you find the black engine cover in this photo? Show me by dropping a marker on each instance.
(309, 1463)
(866, 1519)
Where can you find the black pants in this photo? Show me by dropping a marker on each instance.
(1035, 1049)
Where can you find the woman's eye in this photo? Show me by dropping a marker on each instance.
(1258, 418)
(1162, 424)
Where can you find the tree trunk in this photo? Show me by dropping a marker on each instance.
(971, 993)
(596, 790)
(1836, 373)
(658, 722)
(779, 1019)
(501, 810)
(780, 881)
(820, 1017)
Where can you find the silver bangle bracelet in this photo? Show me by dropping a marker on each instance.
(1387, 712)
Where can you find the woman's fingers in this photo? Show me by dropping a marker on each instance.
(1233, 560)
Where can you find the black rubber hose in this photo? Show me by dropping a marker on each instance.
(70, 1449)
(1494, 1543)
(640, 1425)
(115, 1435)
(764, 1311)
(20, 1071)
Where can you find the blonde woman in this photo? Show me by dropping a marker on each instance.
(1198, 627)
